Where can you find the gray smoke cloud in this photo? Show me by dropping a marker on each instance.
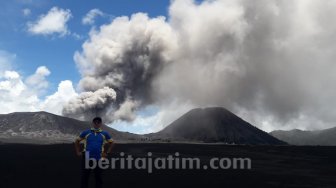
(90, 104)
(125, 55)
(272, 62)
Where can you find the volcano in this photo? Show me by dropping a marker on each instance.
(214, 125)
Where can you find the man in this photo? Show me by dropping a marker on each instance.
(94, 144)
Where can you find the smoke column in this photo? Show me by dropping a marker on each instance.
(272, 62)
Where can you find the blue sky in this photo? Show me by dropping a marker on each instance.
(33, 51)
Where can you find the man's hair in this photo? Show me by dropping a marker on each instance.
(97, 119)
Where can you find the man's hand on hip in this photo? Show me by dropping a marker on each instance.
(79, 154)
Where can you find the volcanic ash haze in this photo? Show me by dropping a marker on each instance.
(271, 62)
(90, 104)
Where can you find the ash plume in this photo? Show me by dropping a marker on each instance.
(90, 104)
(125, 55)
(272, 62)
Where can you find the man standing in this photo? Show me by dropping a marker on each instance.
(94, 144)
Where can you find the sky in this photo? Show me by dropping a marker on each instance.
(33, 50)
(142, 64)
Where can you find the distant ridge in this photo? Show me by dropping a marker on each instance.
(325, 137)
(43, 127)
(214, 124)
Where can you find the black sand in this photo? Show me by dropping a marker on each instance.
(272, 166)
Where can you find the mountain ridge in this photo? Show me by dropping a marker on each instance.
(200, 125)
(47, 127)
(307, 137)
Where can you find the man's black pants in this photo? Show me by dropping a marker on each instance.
(85, 176)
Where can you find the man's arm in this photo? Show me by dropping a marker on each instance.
(110, 145)
(81, 137)
(109, 142)
(78, 147)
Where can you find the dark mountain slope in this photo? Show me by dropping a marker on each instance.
(214, 125)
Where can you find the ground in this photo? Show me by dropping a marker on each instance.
(24, 165)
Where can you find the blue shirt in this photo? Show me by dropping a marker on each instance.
(94, 140)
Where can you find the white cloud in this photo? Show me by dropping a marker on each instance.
(26, 12)
(19, 95)
(55, 21)
(6, 59)
(55, 102)
(89, 18)
(14, 95)
(23, 94)
(12, 84)
(38, 80)
(77, 36)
